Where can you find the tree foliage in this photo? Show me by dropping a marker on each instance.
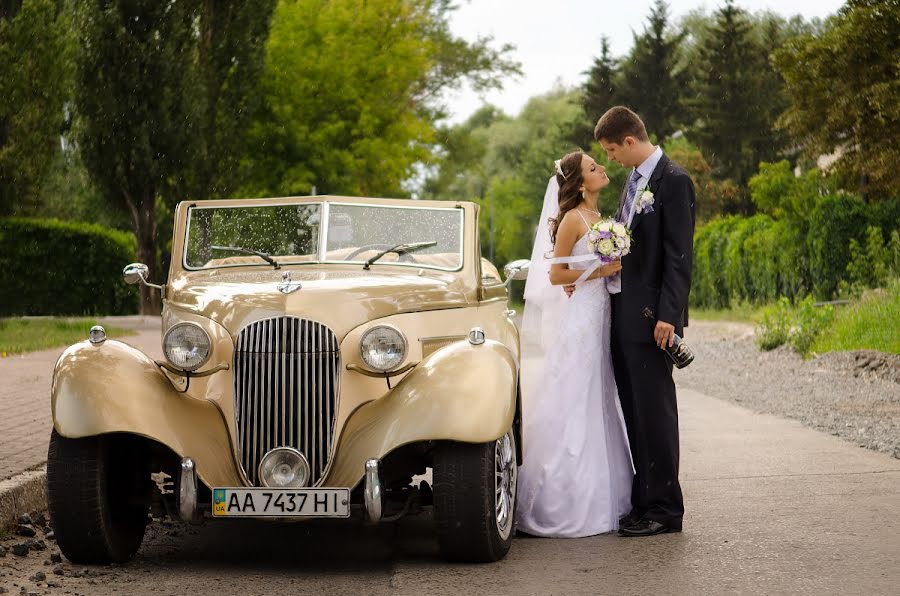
(35, 77)
(352, 93)
(599, 93)
(227, 65)
(844, 88)
(653, 78)
(726, 100)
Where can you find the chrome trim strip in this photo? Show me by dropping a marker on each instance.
(324, 216)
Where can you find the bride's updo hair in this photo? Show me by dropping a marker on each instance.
(569, 188)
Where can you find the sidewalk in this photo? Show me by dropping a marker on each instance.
(25, 422)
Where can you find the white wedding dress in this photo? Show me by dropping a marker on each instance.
(576, 476)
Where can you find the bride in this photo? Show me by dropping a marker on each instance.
(576, 476)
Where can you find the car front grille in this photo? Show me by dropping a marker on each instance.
(286, 373)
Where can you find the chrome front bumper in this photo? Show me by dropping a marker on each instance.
(187, 492)
(374, 492)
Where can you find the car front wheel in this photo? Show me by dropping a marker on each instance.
(475, 498)
(94, 486)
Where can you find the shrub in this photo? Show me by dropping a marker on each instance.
(775, 326)
(797, 326)
(809, 322)
(62, 268)
(870, 263)
(833, 222)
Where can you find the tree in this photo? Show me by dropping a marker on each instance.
(132, 97)
(653, 81)
(599, 93)
(727, 105)
(352, 93)
(458, 173)
(844, 90)
(165, 98)
(35, 83)
(230, 59)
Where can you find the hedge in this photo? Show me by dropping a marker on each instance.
(759, 259)
(50, 267)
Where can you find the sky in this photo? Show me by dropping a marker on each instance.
(556, 40)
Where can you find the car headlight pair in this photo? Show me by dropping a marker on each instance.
(187, 346)
(383, 348)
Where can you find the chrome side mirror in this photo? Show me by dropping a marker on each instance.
(516, 270)
(137, 273)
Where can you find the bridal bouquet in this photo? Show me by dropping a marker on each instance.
(610, 239)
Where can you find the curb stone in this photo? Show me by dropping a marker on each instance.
(20, 494)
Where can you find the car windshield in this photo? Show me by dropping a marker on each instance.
(292, 234)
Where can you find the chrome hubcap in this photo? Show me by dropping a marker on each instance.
(505, 473)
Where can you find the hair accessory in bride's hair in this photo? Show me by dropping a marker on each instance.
(559, 171)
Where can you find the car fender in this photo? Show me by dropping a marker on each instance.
(462, 392)
(113, 387)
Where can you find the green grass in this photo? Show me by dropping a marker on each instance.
(27, 335)
(742, 313)
(872, 323)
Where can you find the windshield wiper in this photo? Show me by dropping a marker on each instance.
(401, 249)
(262, 255)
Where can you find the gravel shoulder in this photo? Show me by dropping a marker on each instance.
(852, 395)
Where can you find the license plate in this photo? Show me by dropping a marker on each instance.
(281, 502)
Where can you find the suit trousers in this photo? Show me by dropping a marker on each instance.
(647, 394)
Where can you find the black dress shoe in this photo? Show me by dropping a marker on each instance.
(646, 527)
(629, 519)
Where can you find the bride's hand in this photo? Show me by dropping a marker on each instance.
(610, 269)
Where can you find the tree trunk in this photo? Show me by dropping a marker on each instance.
(145, 231)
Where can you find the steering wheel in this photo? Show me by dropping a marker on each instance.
(404, 256)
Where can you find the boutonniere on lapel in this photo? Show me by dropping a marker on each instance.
(645, 202)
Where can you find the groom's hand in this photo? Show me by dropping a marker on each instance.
(664, 334)
(569, 290)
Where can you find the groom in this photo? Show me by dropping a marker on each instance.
(651, 308)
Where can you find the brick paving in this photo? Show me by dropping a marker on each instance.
(25, 380)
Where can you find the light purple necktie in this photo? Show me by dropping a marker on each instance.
(614, 282)
(629, 195)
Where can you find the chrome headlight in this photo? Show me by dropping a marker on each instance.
(284, 467)
(187, 346)
(383, 347)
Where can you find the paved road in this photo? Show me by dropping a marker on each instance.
(25, 422)
(772, 508)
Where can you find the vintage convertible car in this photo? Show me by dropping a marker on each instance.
(321, 354)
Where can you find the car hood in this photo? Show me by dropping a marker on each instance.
(341, 299)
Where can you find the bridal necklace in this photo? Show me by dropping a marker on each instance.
(589, 211)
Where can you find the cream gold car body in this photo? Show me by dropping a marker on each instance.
(455, 390)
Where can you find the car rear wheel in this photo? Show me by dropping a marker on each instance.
(475, 498)
(94, 488)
